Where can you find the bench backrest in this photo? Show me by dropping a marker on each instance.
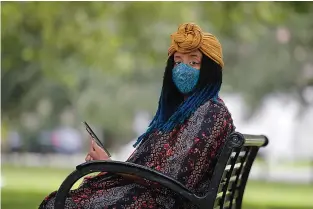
(232, 170)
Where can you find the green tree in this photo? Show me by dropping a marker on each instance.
(104, 60)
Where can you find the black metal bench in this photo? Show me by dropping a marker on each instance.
(227, 184)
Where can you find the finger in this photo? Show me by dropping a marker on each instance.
(92, 152)
(96, 147)
(93, 155)
(91, 146)
(88, 158)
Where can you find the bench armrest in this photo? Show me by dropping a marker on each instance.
(255, 140)
(120, 167)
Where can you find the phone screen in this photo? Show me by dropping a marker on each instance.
(94, 136)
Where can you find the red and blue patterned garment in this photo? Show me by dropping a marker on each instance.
(188, 154)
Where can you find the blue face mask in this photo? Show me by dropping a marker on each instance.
(185, 77)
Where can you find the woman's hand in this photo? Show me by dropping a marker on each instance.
(96, 152)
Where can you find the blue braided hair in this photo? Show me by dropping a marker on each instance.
(173, 110)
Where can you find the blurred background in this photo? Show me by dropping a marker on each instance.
(102, 62)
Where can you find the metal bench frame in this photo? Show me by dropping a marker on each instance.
(227, 185)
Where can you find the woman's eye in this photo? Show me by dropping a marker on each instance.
(177, 63)
(193, 63)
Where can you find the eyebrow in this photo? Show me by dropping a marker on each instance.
(177, 57)
(191, 55)
(194, 55)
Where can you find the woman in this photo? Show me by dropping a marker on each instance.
(182, 141)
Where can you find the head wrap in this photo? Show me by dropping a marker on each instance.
(189, 37)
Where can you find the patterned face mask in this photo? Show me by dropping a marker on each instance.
(185, 77)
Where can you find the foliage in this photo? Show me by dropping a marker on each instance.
(104, 60)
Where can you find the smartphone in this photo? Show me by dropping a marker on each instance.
(94, 136)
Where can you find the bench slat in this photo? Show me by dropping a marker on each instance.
(235, 171)
(218, 201)
(227, 202)
(231, 183)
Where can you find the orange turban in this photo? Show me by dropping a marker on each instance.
(189, 37)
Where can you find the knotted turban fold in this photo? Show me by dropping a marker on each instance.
(189, 37)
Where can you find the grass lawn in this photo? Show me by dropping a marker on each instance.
(24, 188)
(304, 164)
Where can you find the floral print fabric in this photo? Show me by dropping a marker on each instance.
(188, 154)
